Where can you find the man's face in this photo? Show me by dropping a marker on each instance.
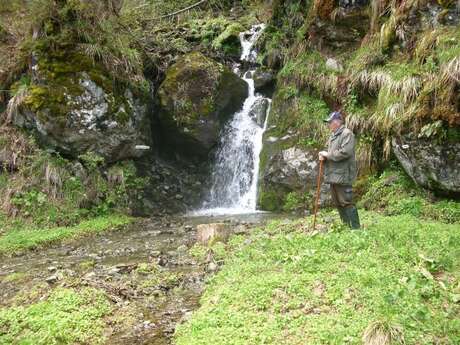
(334, 125)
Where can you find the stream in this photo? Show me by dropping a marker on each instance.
(147, 305)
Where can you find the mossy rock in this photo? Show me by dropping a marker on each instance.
(74, 107)
(195, 100)
(229, 40)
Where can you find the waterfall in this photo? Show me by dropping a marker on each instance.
(235, 171)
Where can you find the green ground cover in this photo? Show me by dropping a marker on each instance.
(397, 281)
(16, 239)
(67, 316)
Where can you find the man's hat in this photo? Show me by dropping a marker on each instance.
(336, 115)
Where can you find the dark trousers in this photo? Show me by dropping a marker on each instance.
(342, 195)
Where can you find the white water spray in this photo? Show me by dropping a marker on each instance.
(236, 169)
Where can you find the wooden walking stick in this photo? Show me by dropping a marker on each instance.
(318, 191)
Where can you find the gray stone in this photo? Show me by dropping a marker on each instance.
(288, 170)
(259, 111)
(334, 65)
(432, 165)
(52, 279)
(262, 79)
(92, 123)
(212, 267)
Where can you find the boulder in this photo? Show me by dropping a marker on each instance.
(195, 100)
(259, 111)
(213, 232)
(85, 116)
(286, 170)
(431, 164)
(263, 80)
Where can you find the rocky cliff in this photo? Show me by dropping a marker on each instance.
(391, 67)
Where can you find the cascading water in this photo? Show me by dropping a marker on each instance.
(236, 169)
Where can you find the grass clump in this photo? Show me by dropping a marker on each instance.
(20, 238)
(67, 316)
(287, 287)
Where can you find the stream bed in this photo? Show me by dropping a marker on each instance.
(145, 269)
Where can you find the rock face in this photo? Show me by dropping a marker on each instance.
(259, 111)
(93, 120)
(288, 170)
(196, 99)
(430, 164)
(264, 80)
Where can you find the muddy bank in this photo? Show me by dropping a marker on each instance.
(146, 271)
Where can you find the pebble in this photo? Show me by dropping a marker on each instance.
(52, 269)
(52, 279)
(212, 267)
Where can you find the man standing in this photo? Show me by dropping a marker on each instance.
(340, 168)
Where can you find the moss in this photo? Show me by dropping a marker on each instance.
(228, 41)
(199, 77)
(269, 200)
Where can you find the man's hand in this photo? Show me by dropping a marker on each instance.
(323, 155)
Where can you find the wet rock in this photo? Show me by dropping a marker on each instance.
(263, 80)
(52, 269)
(288, 170)
(162, 261)
(207, 233)
(431, 164)
(259, 111)
(93, 120)
(196, 98)
(52, 279)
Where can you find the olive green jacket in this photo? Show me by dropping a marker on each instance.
(340, 166)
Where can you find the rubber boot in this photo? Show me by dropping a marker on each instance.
(343, 216)
(353, 216)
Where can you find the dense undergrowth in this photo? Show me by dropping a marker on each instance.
(396, 280)
(45, 196)
(389, 78)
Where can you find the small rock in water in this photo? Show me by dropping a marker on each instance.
(52, 279)
(162, 261)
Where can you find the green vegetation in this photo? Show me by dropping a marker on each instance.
(67, 316)
(20, 238)
(398, 278)
(43, 190)
(394, 193)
